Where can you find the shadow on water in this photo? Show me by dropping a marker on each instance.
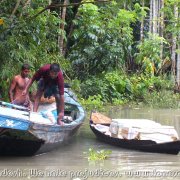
(70, 161)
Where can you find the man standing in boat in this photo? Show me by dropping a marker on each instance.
(51, 82)
(18, 85)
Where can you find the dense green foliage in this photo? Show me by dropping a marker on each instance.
(25, 39)
(105, 61)
(149, 54)
(119, 88)
(102, 38)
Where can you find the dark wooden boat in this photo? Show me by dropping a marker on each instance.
(172, 147)
(27, 133)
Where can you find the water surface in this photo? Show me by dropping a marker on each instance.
(70, 160)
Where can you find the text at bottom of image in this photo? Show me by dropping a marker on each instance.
(85, 173)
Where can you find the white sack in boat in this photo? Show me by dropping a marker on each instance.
(101, 128)
(159, 135)
(142, 129)
(38, 118)
(139, 123)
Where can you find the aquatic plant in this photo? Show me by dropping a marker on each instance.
(94, 155)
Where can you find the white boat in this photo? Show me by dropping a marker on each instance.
(27, 133)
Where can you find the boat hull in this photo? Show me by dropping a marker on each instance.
(24, 133)
(28, 144)
(66, 137)
(18, 147)
(140, 145)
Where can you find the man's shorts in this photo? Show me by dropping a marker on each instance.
(24, 104)
(49, 91)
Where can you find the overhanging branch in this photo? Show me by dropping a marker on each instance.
(67, 5)
(56, 6)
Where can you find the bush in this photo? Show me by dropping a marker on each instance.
(162, 99)
(118, 88)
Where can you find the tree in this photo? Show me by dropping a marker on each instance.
(102, 39)
(25, 38)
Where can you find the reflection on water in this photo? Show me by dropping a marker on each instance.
(70, 161)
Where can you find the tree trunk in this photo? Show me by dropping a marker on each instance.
(71, 29)
(125, 5)
(63, 18)
(154, 19)
(178, 65)
(158, 16)
(161, 24)
(178, 47)
(151, 15)
(142, 25)
(174, 40)
(26, 4)
(161, 27)
(15, 8)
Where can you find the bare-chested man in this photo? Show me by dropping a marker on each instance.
(18, 85)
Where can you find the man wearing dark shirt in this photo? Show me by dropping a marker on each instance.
(51, 82)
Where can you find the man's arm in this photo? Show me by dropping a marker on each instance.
(29, 84)
(11, 89)
(61, 108)
(36, 77)
(61, 94)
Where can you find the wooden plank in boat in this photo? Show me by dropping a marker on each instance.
(98, 118)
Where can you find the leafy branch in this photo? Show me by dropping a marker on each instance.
(57, 5)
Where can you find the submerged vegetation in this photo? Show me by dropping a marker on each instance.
(112, 53)
(95, 155)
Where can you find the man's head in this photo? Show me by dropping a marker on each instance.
(25, 70)
(54, 70)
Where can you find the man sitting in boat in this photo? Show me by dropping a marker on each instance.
(18, 84)
(51, 82)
